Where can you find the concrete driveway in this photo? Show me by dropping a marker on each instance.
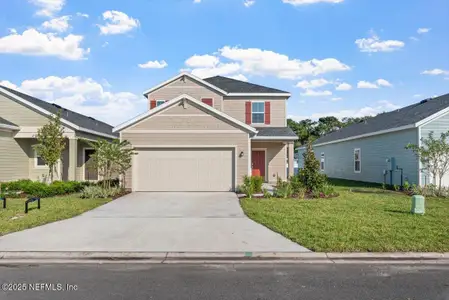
(166, 222)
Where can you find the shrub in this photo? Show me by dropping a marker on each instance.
(109, 182)
(283, 189)
(301, 193)
(406, 186)
(310, 174)
(297, 184)
(247, 187)
(266, 193)
(257, 182)
(328, 189)
(91, 192)
(40, 189)
(396, 187)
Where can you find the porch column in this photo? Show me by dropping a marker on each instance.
(291, 159)
(73, 158)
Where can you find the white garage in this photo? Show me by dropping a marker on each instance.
(184, 170)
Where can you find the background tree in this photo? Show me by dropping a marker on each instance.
(326, 125)
(434, 155)
(111, 158)
(51, 143)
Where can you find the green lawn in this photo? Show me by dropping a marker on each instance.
(366, 219)
(52, 209)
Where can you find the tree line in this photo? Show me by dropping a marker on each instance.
(308, 130)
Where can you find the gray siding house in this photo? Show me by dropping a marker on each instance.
(374, 150)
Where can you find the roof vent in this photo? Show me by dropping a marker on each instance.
(423, 101)
(92, 118)
(56, 105)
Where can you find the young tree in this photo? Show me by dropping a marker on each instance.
(434, 155)
(310, 174)
(51, 143)
(111, 158)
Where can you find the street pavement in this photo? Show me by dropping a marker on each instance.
(226, 281)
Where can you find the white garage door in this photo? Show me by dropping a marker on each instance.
(183, 170)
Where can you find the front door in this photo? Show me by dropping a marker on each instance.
(90, 172)
(258, 163)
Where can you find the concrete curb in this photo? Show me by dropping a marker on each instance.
(222, 257)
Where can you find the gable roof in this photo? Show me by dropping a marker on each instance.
(275, 133)
(5, 124)
(73, 119)
(407, 117)
(237, 86)
(226, 86)
(173, 102)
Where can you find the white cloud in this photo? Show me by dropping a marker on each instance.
(335, 99)
(314, 83)
(414, 38)
(249, 3)
(196, 1)
(117, 22)
(313, 93)
(154, 65)
(383, 82)
(366, 85)
(202, 61)
(375, 44)
(240, 77)
(373, 85)
(380, 107)
(417, 96)
(82, 15)
(86, 96)
(48, 8)
(264, 62)
(435, 72)
(9, 84)
(33, 42)
(423, 30)
(59, 24)
(343, 87)
(305, 2)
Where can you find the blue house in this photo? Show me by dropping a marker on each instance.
(374, 150)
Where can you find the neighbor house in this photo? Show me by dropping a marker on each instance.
(206, 134)
(374, 150)
(21, 116)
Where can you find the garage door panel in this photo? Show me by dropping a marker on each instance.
(184, 170)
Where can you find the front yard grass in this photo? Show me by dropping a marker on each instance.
(361, 219)
(52, 209)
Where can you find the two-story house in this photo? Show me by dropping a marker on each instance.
(206, 134)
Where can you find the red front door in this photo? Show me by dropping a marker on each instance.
(258, 163)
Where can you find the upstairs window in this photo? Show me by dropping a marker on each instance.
(159, 102)
(357, 160)
(258, 112)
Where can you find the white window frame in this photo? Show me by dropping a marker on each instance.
(322, 162)
(263, 122)
(159, 101)
(36, 166)
(359, 160)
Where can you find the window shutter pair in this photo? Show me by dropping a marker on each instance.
(152, 103)
(207, 101)
(248, 112)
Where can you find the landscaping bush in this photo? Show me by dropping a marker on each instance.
(283, 189)
(257, 182)
(92, 192)
(310, 174)
(297, 185)
(327, 190)
(247, 187)
(109, 182)
(40, 189)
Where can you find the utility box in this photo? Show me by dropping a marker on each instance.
(391, 164)
(418, 204)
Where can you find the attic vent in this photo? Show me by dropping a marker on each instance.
(92, 118)
(56, 105)
(423, 101)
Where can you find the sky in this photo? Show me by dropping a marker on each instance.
(346, 58)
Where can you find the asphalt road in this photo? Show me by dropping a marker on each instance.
(262, 281)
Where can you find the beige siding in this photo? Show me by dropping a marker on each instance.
(190, 139)
(179, 118)
(13, 157)
(20, 114)
(235, 107)
(190, 87)
(276, 155)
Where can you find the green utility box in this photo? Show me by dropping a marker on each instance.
(418, 204)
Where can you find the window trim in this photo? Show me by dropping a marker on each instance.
(359, 160)
(263, 122)
(36, 166)
(158, 101)
(213, 100)
(322, 160)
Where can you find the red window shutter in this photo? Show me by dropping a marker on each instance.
(267, 113)
(248, 112)
(152, 104)
(207, 101)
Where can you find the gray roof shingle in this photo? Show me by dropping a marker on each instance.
(230, 85)
(6, 122)
(275, 131)
(71, 116)
(397, 118)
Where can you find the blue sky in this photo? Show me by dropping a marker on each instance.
(336, 57)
